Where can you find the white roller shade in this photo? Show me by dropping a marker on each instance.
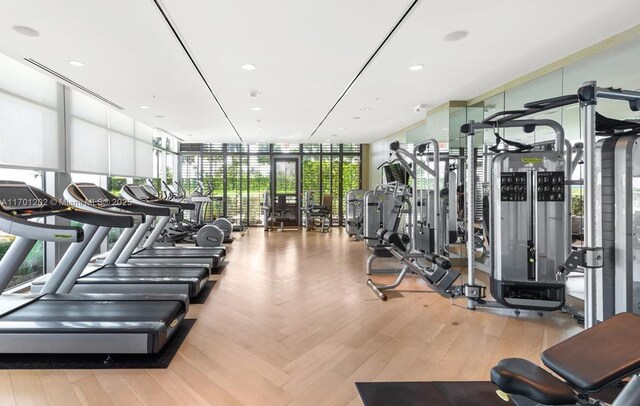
(30, 116)
(121, 123)
(88, 109)
(88, 134)
(144, 160)
(106, 141)
(88, 148)
(144, 133)
(121, 155)
(144, 150)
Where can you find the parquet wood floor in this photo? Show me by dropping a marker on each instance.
(291, 321)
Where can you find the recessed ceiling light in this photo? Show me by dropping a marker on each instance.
(76, 63)
(159, 116)
(444, 129)
(256, 108)
(144, 107)
(366, 109)
(416, 67)
(248, 66)
(455, 36)
(356, 118)
(341, 129)
(29, 32)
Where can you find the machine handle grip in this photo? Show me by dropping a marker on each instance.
(104, 218)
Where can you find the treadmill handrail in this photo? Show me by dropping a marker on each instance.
(70, 212)
(154, 201)
(73, 193)
(102, 218)
(31, 230)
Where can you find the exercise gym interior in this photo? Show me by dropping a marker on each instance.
(409, 202)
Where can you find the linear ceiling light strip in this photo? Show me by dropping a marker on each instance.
(346, 90)
(195, 65)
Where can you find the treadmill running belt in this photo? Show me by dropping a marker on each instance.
(99, 361)
(148, 272)
(97, 310)
(176, 253)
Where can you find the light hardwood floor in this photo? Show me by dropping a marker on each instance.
(292, 322)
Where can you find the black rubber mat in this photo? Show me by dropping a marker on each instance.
(218, 270)
(204, 293)
(429, 393)
(442, 394)
(99, 361)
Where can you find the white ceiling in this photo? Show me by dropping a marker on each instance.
(306, 54)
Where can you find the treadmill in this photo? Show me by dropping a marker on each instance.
(131, 252)
(116, 278)
(73, 323)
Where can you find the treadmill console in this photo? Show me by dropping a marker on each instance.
(150, 189)
(92, 194)
(19, 197)
(138, 192)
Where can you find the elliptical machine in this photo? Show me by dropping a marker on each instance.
(201, 199)
(202, 235)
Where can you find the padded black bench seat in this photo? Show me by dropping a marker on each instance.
(318, 211)
(589, 361)
(523, 377)
(599, 356)
(382, 252)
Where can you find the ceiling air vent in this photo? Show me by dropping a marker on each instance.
(71, 82)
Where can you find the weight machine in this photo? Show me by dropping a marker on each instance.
(355, 214)
(423, 244)
(317, 212)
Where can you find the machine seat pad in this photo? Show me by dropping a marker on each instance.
(382, 252)
(519, 376)
(599, 356)
(319, 214)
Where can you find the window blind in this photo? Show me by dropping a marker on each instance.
(30, 118)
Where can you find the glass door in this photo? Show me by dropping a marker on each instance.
(285, 191)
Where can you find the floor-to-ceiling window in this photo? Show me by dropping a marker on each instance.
(238, 175)
(33, 266)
